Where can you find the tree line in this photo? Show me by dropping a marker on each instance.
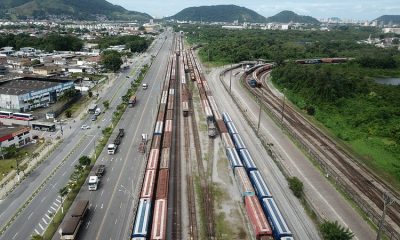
(48, 43)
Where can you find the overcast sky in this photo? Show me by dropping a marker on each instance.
(357, 9)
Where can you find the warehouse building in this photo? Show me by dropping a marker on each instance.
(28, 93)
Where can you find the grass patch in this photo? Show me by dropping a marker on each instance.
(199, 194)
(6, 166)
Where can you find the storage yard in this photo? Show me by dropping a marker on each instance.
(197, 185)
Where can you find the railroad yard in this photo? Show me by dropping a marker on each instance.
(206, 153)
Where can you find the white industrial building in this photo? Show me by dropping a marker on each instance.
(25, 94)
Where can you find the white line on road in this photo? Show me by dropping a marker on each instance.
(112, 169)
(120, 205)
(102, 193)
(108, 179)
(63, 174)
(116, 220)
(44, 220)
(15, 236)
(56, 204)
(30, 215)
(101, 206)
(58, 200)
(40, 225)
(95, 207)
(53, 208)
(87, 225)
(37, 232)
(43, 199)
(47, 216)
(49, 211)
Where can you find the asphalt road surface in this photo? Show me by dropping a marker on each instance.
(77, 142)
(111, 206)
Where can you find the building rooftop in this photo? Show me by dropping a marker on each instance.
(6, 130)
(28, 84)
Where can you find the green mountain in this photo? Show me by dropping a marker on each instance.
(218, 13)
(75, 9)
(386, 19)
(289, 16)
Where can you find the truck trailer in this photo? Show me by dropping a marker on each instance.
(112, 147)
(71, 225)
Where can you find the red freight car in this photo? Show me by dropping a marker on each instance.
(164, 163)
(257, 218)
(221, 126)
(169, 115)
(152, 163)
(167, 140)
(156, 144)
(148, 184)
(162, 184)
(159, 226)
(168, 126)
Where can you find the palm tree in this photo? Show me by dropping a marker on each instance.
(334, 231)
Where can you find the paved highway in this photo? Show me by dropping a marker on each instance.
(76, 143)
(329, 202)
(299, 223)
(112, 205)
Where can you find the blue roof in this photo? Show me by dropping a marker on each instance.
(226, 117)
(259, 185)
(233, 158)
(278, 223)
(143, 217)
(247, 160)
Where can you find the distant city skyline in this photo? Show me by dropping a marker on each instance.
(350, 9)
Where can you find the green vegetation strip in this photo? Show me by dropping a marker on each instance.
(29, 200)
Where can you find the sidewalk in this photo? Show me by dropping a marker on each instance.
(9, 183)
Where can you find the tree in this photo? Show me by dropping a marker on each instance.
(141, 28)
(62, 191)
(35, 62)
(106, 104)
(334, 231)
(10, 151)
(90, 94)
(296, 186)
(84, 161)
(68, 113)
(111, 60)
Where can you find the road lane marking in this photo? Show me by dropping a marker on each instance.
(49, 211)
(37, 232)
(112, 169)
(30, 215)
(15, 236)
(48, 216)
(40, 225)
(108, 179)
(101, 206)
(56, 204)
(44, 220)
(43, 199)
(116, 220)
(53, 208)
(129, 151)
(95, 207)
(63, 174)
(87, 225)
(102, 193)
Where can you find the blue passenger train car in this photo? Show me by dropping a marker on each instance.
(226, 117)
(233, 158)
(237, 140)
(275, 218)
(142, 221)
(259, 185)
(247, 160)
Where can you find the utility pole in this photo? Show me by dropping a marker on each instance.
(387, 201)
(259, 116)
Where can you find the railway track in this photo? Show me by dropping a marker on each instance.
(176, 159)
(361, 181)
(206, 196)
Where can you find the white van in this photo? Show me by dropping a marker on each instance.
(145, 86)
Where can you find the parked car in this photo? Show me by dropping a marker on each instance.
(85, 127)
(145, 86)
(94, 118)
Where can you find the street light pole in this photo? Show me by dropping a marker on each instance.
(387, 201)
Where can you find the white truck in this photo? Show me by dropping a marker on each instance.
(97, 112)
(93, 183)
(112, 147)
